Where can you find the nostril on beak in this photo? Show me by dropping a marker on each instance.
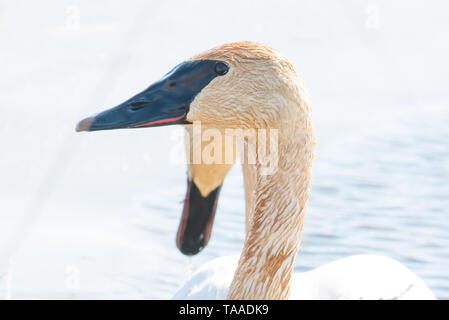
(137, 105)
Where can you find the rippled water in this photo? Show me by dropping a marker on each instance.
(95, 215)
(386, 192)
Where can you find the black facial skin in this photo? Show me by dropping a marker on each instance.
(165, 102)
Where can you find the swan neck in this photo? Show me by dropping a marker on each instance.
(276, 206)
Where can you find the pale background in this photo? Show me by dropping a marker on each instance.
(95, 215)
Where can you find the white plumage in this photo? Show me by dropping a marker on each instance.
(354, 277)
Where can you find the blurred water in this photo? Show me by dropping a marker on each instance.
(95, 215)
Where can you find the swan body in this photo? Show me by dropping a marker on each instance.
(357, 277)
(251, 92)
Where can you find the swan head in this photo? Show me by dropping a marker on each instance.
(256, 91)
(236, 85)
(242, 85)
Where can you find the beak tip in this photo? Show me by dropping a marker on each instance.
(84, 125)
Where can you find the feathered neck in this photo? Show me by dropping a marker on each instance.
(276, 207)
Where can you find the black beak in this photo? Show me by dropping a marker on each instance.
(163, 103)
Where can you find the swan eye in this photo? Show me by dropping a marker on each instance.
(221, 68)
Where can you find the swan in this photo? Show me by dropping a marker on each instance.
(254, 91)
